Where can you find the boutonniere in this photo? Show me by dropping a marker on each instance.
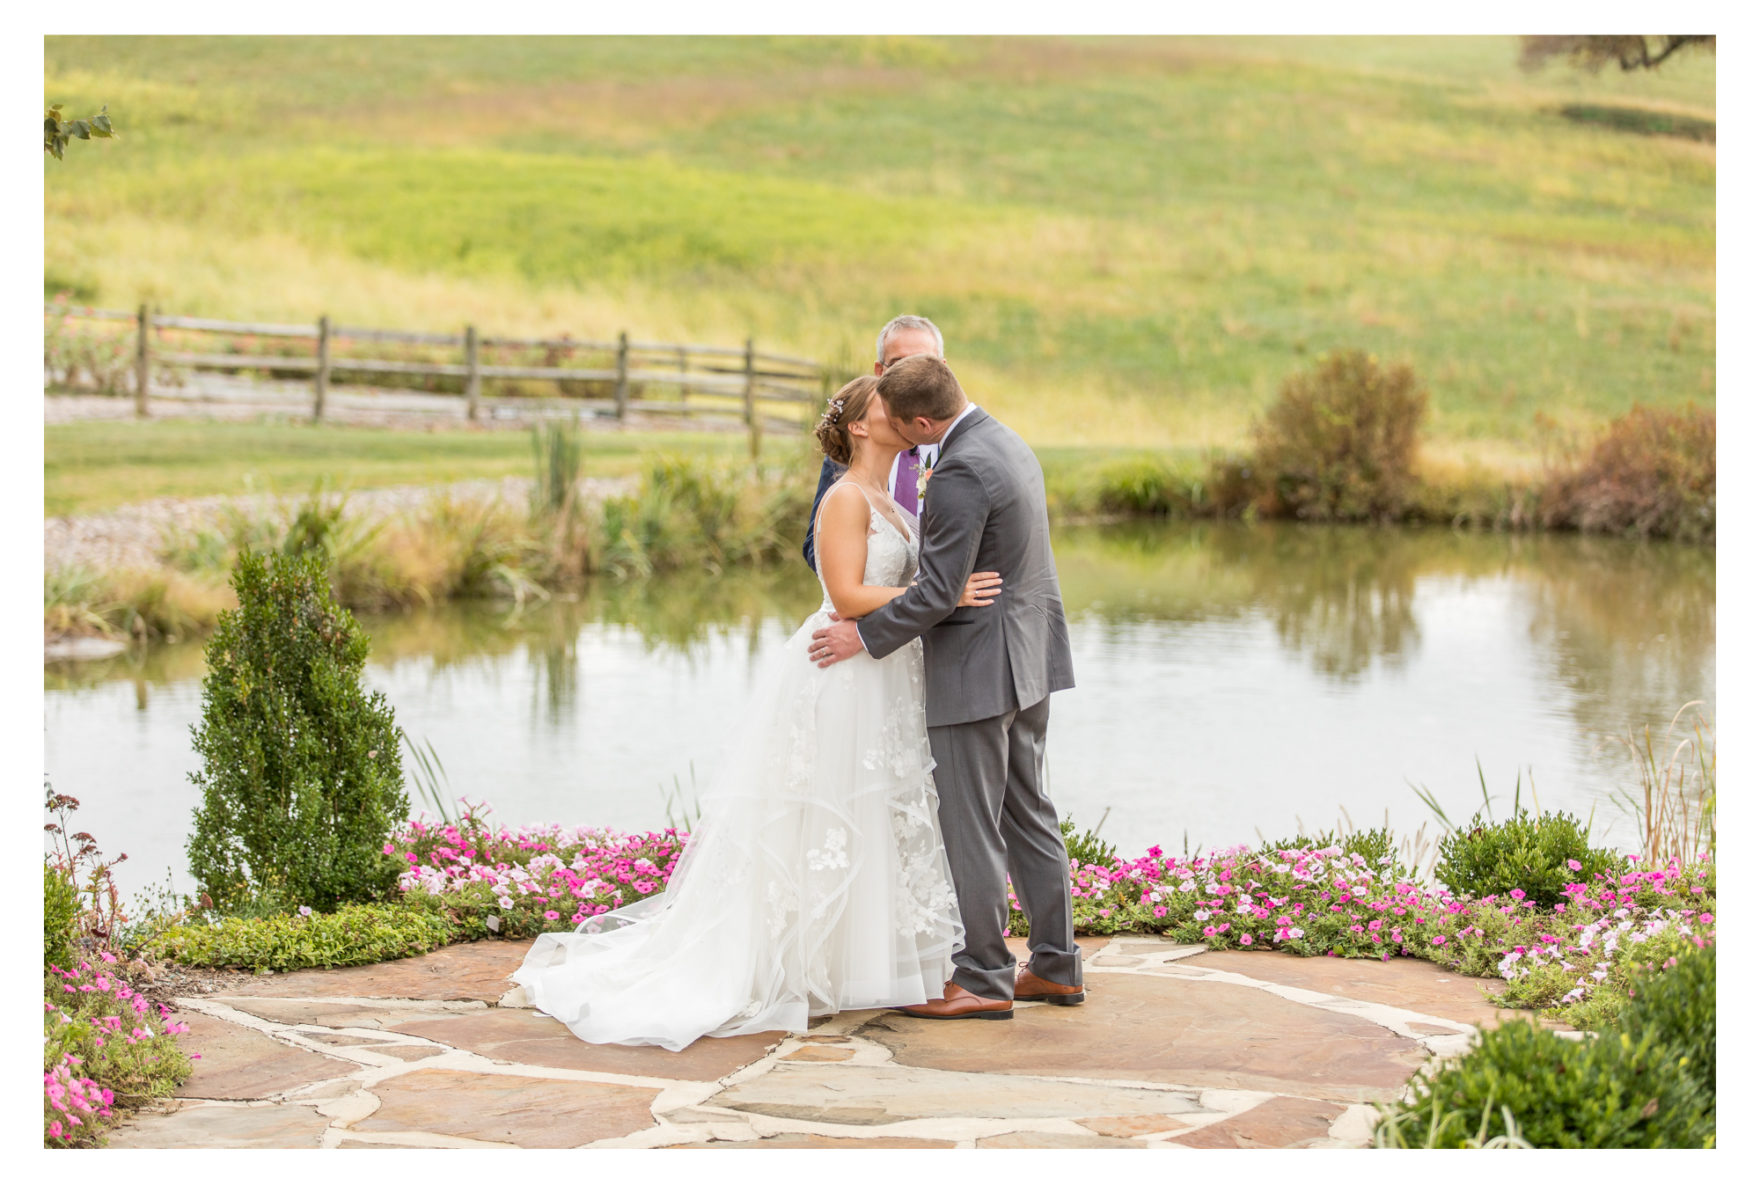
(925, 468)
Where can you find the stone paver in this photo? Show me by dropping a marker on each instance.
(1413, 985)
(214, 1126)
(521, 1036)
(476, 972)
(819, 1141)
(1140, 1126)
(1280, 1122)
(1175, 1048)
(241, 1064)
(536, 1113)
(1032, 1140)
(1172, 1031)
(887, 1095)
(322, 1014)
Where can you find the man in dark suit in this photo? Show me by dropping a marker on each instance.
(906, 335)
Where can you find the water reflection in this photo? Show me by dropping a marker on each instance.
(1231, 677)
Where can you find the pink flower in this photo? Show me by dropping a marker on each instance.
(1438, 940)
(552, 915)
(1573, 865)
(1246, 938)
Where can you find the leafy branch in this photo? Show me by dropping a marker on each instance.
(57, 129)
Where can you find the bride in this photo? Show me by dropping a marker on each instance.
(816, 880)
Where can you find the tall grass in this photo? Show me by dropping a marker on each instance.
(1675, 800)
(684, 513)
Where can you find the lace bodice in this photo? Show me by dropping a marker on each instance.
(892, 557)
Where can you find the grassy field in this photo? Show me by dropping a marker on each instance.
(1128, 242)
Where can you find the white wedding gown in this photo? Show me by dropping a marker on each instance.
(816, 879)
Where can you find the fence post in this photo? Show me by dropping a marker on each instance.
(622, 374)
(752, 423)
(143, 365)
(323, 378)
(473, 381)
(684, 367)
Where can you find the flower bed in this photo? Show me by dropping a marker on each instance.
(104, 1046)
(1577, 954)
(1323, 901)
(525, 880)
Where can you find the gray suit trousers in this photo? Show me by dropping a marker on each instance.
(995, 815)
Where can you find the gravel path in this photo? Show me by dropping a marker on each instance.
(132, 536)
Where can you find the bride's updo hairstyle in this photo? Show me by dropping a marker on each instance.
(850, 404)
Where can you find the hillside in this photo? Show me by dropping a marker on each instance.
(1127, 241)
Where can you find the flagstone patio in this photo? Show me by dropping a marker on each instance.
(1175, 1048)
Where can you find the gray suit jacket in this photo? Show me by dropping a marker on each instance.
(984, 509)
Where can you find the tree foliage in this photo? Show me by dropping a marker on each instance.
(1593, 53)
(301, 779)
(58, 129)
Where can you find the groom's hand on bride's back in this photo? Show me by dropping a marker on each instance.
(835, 643)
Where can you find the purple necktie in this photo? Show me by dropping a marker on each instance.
(905, 489)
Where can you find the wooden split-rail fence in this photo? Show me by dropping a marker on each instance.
(695, 378)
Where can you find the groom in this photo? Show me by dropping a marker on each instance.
(991, 672)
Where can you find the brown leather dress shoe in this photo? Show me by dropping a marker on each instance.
(959, 1002)
(1030, 987)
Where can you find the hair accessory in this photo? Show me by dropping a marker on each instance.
(831, 415)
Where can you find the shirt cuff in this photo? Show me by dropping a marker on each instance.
(861, 640)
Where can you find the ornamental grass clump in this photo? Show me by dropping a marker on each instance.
(301, 777)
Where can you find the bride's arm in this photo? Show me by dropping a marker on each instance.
(842, 548)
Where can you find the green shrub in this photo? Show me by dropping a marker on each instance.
(301, 777)
(1086, 847)
(708, 514)
(1141, 486)
(356, 934)
(1654, 473)
(1527, 853)
(1678, 1003)
(1618, 1091)
(60, 917)
(1339, 443)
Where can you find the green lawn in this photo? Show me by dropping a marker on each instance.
(1128, 242)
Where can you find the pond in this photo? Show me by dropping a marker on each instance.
(1234, 681)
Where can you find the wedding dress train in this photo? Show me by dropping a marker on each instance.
(816, 879)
